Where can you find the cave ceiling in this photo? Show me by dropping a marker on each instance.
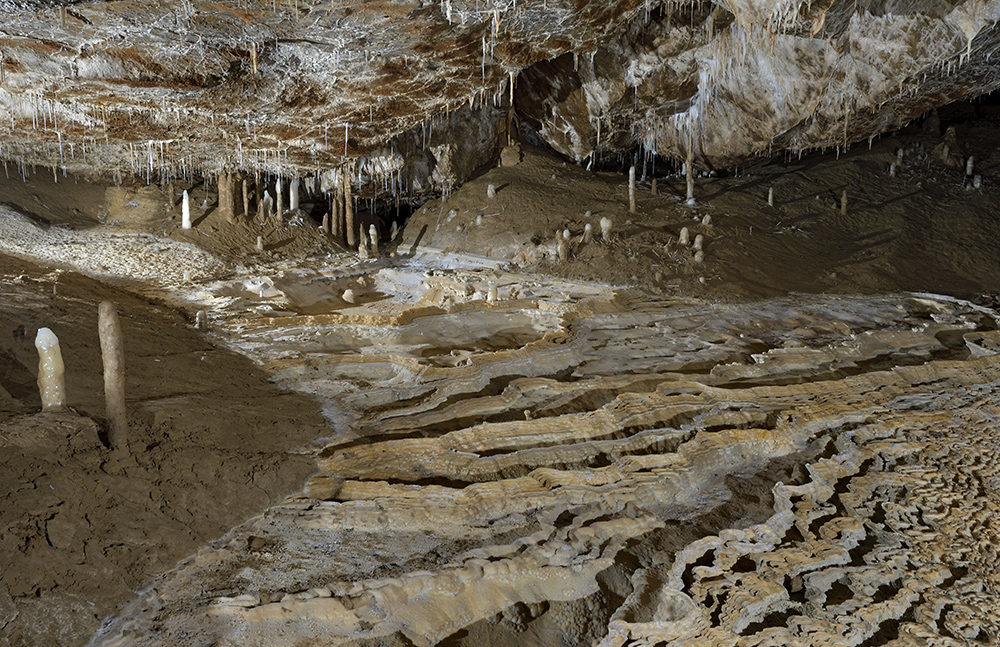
(415, 94)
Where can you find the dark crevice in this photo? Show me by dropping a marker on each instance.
(775, 619)
(707, 559)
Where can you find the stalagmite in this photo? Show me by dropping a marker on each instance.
(51, 378)
(348, 209)
(265, 206)
(279, 209)
(843, 203)
(707, 220)
(892, 170)
(631, 189)
(566, 235)
(479, 220)
(246, 199)
(588, 233)
(337, 215)
(325, 226)
(491, 294)
(652, 188)
(685, 237)
(969, 166)
(770, 196)
(605, 229)
(113, 354)
(185, 210)
(373, 235)
(348, 296)
(689, 173)
(699, 242)
(393, 231)
(491, 191)
(562, 248)
(260, 243)
(362, 247)
(227, 207)
(201, 320)
(293, 194)
(699, 257)
(977, 182)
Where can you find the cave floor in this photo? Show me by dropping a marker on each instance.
(792, 442)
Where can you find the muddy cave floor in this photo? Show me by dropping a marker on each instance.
(219, 433)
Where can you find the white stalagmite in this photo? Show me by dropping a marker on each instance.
(362, 247)
(707, 220)
(977, 181)
(892, 170)
(278, 199)
(605, 229)
(969, 166)
(479, 220)
(699, 242)
(631, 189)
(113, 353)
(491, 294)
(566, 235)
(293, 194)
(373, 235)
(185, 210)
(491, 191)
(260, 243)
(562, 248)
(588, 233)
(51, 371)
(685, 237)
(265, 207)
(770, 196)
(699, 257)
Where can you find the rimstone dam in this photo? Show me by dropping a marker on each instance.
(499, 323)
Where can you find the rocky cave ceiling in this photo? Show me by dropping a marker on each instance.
(415, 94)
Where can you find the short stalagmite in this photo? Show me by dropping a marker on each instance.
(51, 371)
(185, 210)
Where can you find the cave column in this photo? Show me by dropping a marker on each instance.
(337, 216)
(349, 228)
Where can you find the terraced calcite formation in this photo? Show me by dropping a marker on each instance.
(411, 96)
(800, 471)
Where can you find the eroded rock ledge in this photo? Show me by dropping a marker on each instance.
(809, 470)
